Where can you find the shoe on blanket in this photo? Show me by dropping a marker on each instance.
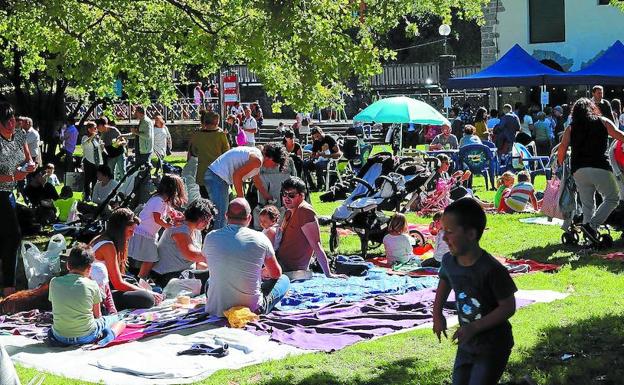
(107, 336)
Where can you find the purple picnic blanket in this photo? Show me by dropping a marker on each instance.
(338, 325)
(31, 324)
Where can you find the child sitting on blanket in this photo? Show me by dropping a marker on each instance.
(76, 303)
(441, 248)
(505, 183)
(158, 213)
(517, 199)
(397, 243)
(484, 297)
(64, 203)
(269, 218)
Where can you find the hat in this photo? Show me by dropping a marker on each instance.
(558, 109)
(315, 130)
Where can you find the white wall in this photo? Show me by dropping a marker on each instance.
(589, 29)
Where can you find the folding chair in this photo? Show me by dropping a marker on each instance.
(478, 159)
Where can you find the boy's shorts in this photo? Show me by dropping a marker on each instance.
(482, 369)
(101, 324)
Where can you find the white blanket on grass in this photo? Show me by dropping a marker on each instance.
(542, 221)
(154, 360)
(149, 361)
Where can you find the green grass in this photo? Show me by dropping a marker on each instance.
(587, 324)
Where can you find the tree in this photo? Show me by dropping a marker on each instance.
(303, 51)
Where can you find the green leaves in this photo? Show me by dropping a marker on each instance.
(303, 51)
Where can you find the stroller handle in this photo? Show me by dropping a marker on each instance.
(395, 188)
(365, 184)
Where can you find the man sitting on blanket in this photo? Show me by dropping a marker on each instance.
(301, 234)
(235, 255)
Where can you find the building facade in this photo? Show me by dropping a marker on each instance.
(568, 34)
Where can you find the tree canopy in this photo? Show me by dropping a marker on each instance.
(303, 51)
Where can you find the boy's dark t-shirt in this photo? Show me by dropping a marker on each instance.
(478, 288)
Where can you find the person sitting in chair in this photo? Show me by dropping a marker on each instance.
(445, 140)
(324, 148)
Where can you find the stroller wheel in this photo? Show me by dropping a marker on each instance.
(570, 238)
(334, 241)
(606, 240)
(419, 238)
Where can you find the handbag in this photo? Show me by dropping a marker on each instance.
(550, 202)
(241, 139)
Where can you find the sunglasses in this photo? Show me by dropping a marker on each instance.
(291, 195)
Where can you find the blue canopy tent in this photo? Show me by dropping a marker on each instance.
(515, 68)
(607, 69)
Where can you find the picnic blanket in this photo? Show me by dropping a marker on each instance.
(321, 290)
(149, 361)
(616, 256)
(31, 324)
(413, 269)
(410, 268)
(340, 324)
(542, 221)
(154, 360)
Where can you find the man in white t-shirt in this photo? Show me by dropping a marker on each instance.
(32, 138)
(250, 126)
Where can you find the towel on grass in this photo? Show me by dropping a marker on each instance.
(321, 290)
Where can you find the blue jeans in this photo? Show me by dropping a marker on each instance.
(219, 194)
(140, 159)
(272, 293)
(117, 166)
(479, 369)
(101, 324)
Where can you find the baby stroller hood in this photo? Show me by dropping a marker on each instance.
(343, 212)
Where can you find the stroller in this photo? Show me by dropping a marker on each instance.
(133, 189)
(570, 207)
(363, 211)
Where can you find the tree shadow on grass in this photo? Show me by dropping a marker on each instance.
(400, 372)
(575, 256)
(585, 353)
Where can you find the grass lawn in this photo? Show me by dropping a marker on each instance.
(588, 324)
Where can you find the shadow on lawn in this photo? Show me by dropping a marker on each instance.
(595, 346)
(395, 372)
(576, 256)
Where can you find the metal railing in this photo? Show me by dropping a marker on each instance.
(461, 71)
(396, 75)
(181, 109)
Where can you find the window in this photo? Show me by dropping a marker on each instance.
(605, 2)
(546, 21)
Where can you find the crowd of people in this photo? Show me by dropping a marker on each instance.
(124, 266)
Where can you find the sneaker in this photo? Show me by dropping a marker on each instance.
(590, 233)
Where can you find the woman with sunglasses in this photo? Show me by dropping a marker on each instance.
(236, 166)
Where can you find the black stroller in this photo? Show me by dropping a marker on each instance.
(133, 190)
(376, 191)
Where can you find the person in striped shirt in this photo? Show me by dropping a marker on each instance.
(520, 195)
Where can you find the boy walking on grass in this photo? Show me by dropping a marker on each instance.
(484, 295)
(76, 304)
